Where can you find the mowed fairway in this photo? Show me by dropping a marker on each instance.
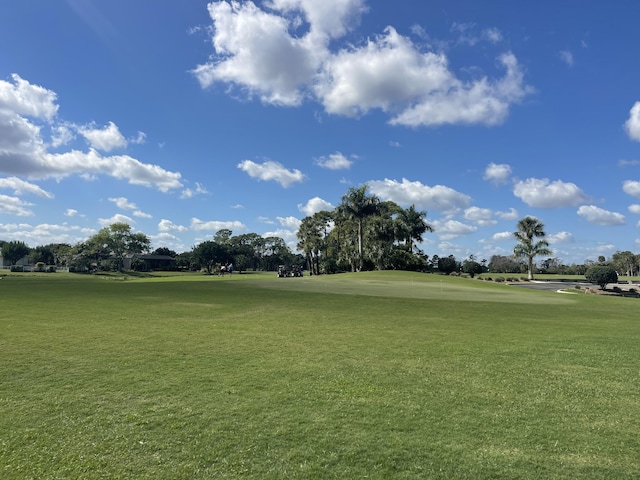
(371, 375)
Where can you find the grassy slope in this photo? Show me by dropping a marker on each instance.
(379, 375)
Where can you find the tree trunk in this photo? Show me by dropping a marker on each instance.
(359, 245)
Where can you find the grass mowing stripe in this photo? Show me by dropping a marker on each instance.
(210, 377)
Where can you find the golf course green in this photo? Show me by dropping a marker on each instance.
(367, 375)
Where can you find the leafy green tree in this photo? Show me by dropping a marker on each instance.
(208, 254)
(551, 265)
(357, 206)
(184, 261)
(447, 265)
(472, 268)
(530, 229)
(380, 234)
(43, 254)
(112, 243)
(14, 251)
(223, 236)
(310, 242)
(314, 239)
(62, 253)
(247, 250)
(276, 252)
(601, 275)
(164, 251)
(625, 262)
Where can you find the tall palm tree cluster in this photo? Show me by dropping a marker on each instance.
(363, 233)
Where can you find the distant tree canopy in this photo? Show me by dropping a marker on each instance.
(245, 251)
(14, 251)
(472, 268)
(108, 247)
(505, 264)
(448, 265)
(363, 233)
(625, 263)
(208, 254)
(164, 251)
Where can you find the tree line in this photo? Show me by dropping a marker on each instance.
(107, 250)
(361, 233)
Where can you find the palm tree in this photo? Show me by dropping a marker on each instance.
(530, 228)
(412, 226)
(312, 236)
(357, 205)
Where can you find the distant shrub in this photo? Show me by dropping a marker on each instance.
(500, 279)
(17, 268)
(524, 279)
(488, 279)
(633, 290)
(601, 275)
(617, 289)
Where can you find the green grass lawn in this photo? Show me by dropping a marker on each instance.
(371, 375)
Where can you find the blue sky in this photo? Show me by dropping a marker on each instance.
(181, 118)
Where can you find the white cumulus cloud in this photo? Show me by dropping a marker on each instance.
(439, 197)
(512, 214)
(14, 206)
(117, 218)
(289, 52)
(289, 222)
(502, 236)
(215, 225)
(335, 161)
(314, 205)
(635, 208)
(24, 98)
(20, 187)
(599, 216)
(450, 229)
(254, 50)
(631, 187)
(123, 203)
(168, 226)
(632, 125)
(190, 192)
(270, 170)
(498, 173)
(480, 216)
(560, 237)
(542, 193)
(105, 139)
(26, 108)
